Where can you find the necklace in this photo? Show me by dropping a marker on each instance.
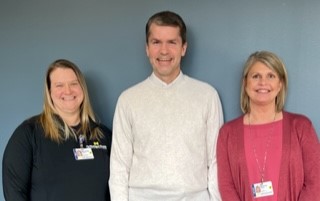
(262, 170)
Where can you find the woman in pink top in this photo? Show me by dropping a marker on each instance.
(267, 154)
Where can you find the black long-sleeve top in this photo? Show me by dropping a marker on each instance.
(34, 168)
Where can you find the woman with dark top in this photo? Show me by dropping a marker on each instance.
(63, 153)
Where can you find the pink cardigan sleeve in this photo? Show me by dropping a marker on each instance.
(310, 147)
(225, 181)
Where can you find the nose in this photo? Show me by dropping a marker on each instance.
(67, 89)
(263, 80)
(163, 49)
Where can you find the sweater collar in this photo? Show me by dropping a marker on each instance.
(158, 82)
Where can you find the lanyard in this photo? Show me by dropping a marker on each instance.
(82, 139)
(262, 170)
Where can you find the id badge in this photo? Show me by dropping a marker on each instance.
(83, 153)
(262, 189)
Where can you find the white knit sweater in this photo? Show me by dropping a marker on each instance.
(164, 141)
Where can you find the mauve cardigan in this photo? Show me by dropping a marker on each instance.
(299, 178)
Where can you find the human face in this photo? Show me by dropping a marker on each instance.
(262, 85)
(165, 50)
(66, 92)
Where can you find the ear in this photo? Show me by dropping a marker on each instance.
(147, 49)
(184, 49)
(280, 86)
(244, 83)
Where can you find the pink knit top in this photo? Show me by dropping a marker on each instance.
(299, 175)
(263, 147)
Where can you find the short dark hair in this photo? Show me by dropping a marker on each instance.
(167, 18)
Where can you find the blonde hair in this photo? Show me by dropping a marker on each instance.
(54, 127)
(273, 62)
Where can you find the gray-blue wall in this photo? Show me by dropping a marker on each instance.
(106, 39)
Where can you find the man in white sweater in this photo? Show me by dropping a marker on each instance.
(165, 128)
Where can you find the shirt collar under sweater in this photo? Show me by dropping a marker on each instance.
(158, 82)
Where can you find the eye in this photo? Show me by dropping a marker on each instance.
(74, 83)
(154, 42)
(255, 76)
(271, 76)
(58, 85)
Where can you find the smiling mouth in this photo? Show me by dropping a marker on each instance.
(164, 60)
(263, 90)
(69, 98)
